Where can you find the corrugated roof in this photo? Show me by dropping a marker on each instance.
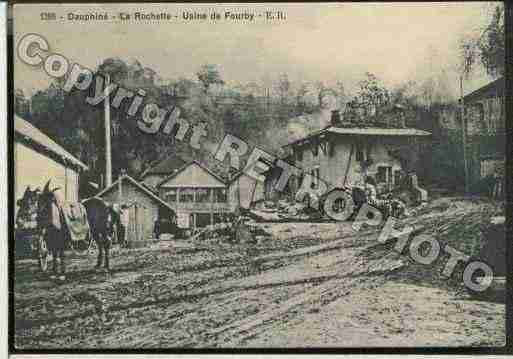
(138, 185)
(379, 131)
(25, 129)
(366, 131)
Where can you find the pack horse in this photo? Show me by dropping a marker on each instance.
(58, 224)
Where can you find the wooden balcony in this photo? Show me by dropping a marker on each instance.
(202, 207)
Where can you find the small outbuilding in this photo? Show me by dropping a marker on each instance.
(143, 205)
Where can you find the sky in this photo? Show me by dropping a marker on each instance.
(316, 42)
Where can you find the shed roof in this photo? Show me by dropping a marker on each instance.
(364, 131)
(32, 134)
(139, 186)
(492, 89)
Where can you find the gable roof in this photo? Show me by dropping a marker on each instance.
(166, 166)
(139, 186)
(363, 131)
(187, 165)
(492, 89)
(30, 133)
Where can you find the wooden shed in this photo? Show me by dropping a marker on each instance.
(144, 206)
(37, 158)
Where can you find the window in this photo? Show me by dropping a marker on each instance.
(481, 114)
(299, 154)
(315, 173)
(220, 195)
(218, 218)
(202, 220)
(384, 174)
(331, 148)
(202, 195)
(315, 149)
(492, 128)
(398, 178)
(187, 195)
(359, 152)
(170, 196)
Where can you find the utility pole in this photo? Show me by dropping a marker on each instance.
(464, 135)
(108, 157)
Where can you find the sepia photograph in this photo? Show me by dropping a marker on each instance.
(258, 176)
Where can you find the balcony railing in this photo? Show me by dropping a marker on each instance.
(206, 207)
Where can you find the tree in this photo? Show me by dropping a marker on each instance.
(488, 46)
(321, 91)
(283, 88)
(116, 68)
(21, 103)
(208, 75)
(301, 103)
(341, 94)
(491, 44)
(372, 94)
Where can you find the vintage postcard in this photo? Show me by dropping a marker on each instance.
(303, 175)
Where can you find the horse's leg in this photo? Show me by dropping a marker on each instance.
(106, 242)
(99, 243)
(61, 257)
(60, 252)
(54, 263)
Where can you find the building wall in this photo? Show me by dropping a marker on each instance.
(191, 214)
(485, 116)
(130, 193)
(485, 137)
(34, 169)
(244, 191)
(333, 164)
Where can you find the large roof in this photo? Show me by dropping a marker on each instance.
(139, 186)
(365, 131)
(493, 89)
(35, 136)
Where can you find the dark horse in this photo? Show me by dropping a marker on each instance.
(103, 221)
(59, 223)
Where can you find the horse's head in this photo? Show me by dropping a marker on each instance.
(28, 209)
(47, 202)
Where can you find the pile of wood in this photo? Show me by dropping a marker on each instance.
(243, 230)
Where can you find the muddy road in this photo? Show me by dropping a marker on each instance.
(307, 285)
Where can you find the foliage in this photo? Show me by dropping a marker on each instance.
(256, 112)
(21, 104)
(492, 44)
(208, 75)
(489, 47)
